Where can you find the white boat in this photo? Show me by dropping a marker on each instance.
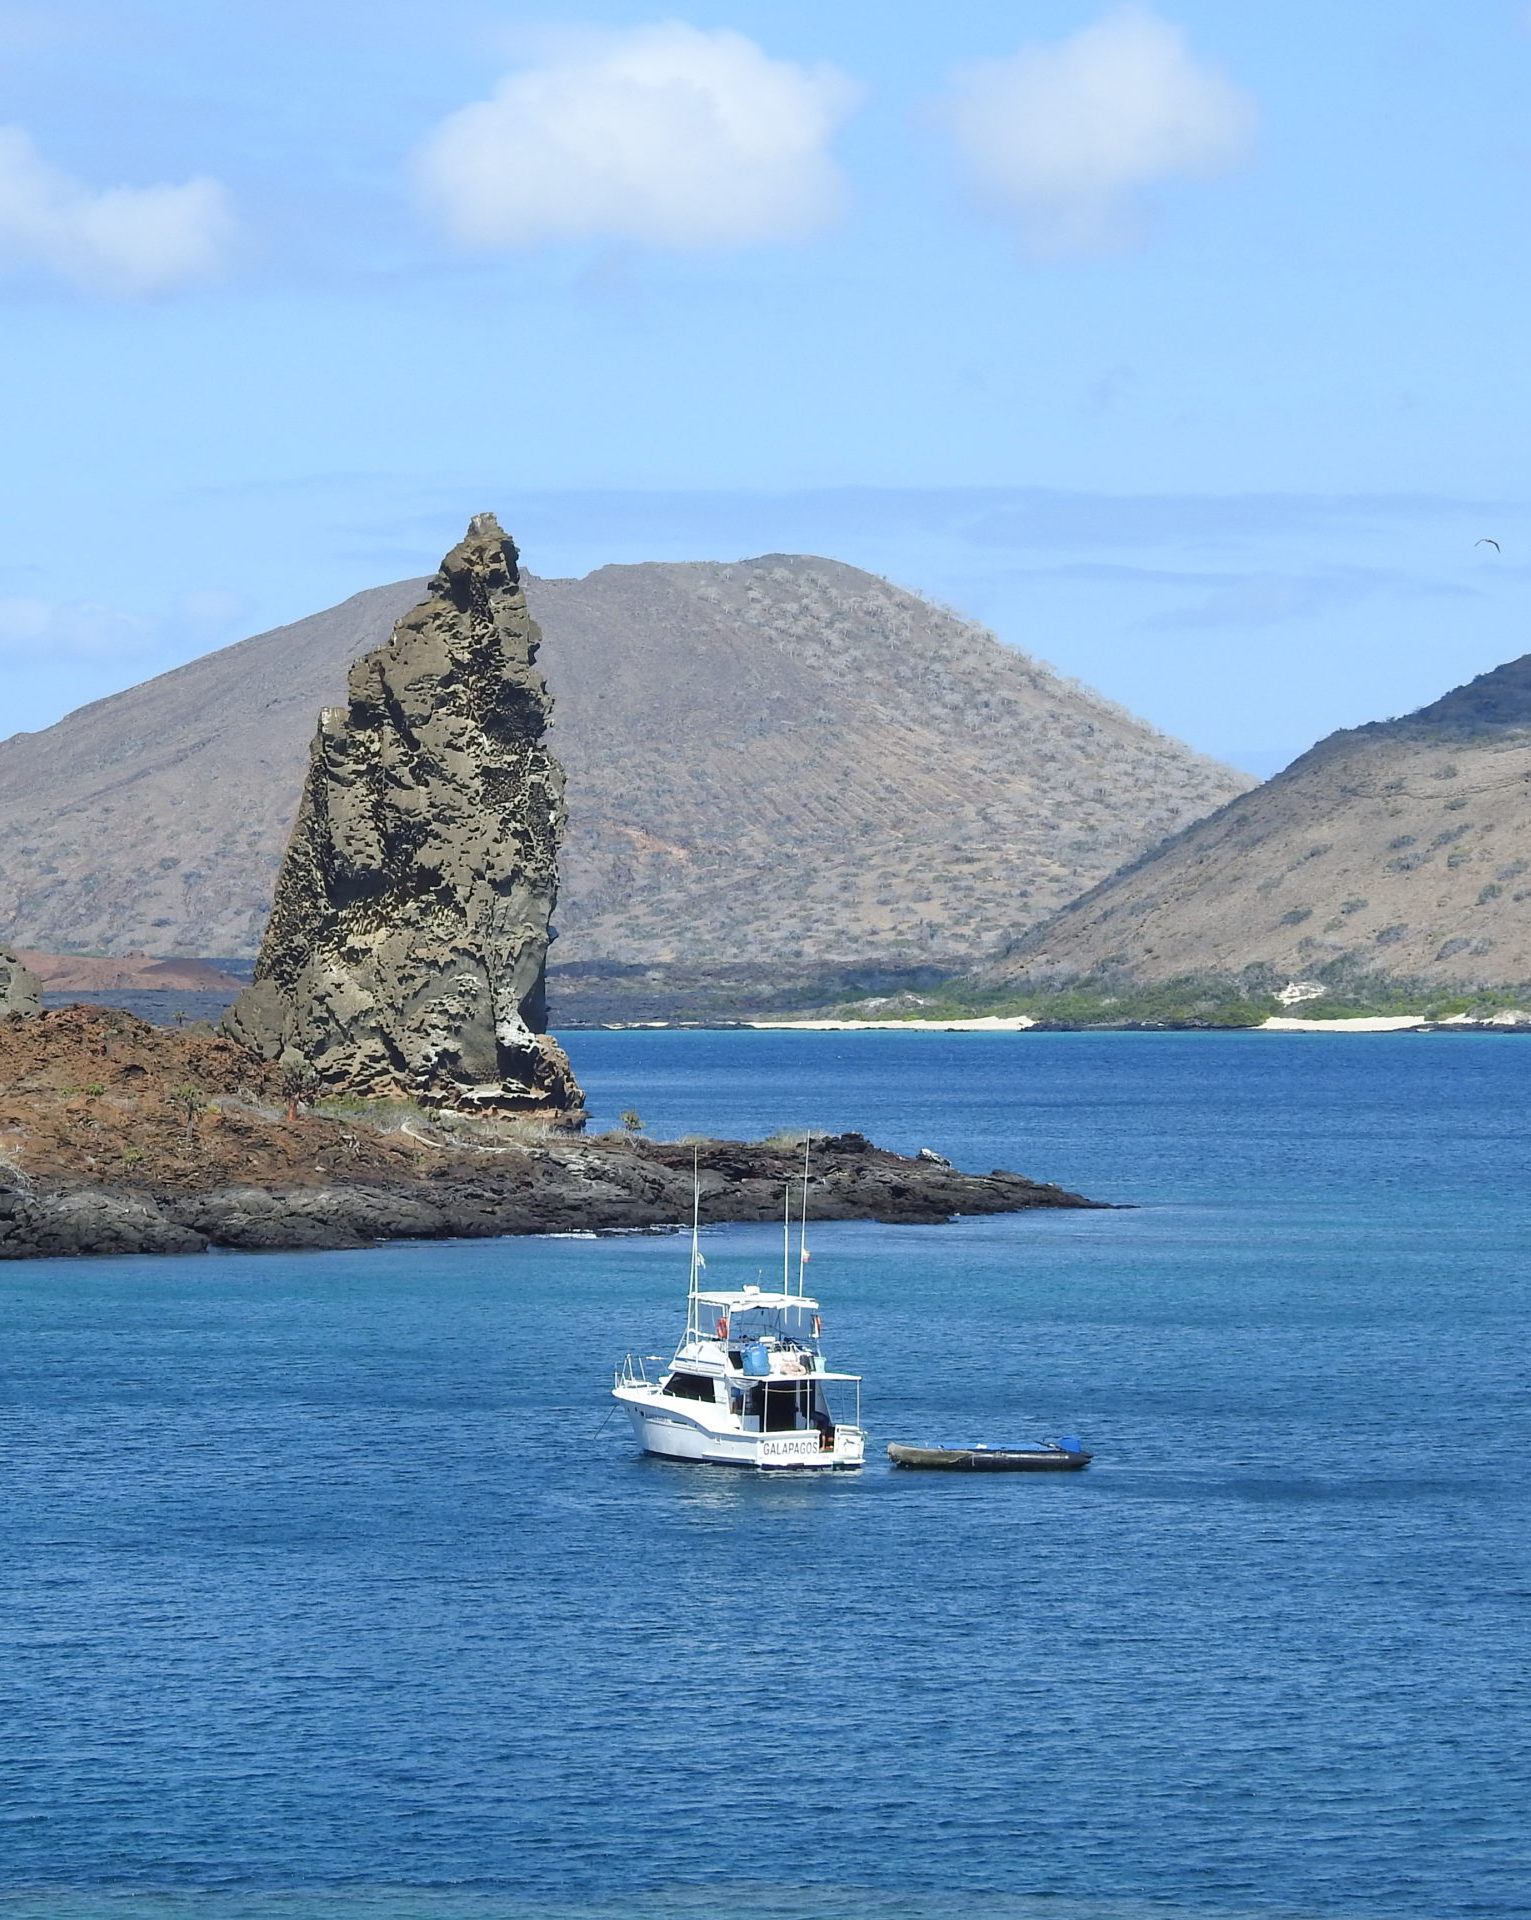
(749, 1385)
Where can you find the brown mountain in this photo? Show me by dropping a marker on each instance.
(131, 972)
(1400, 848)
(776, 761)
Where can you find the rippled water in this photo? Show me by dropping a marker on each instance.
(326, 1594)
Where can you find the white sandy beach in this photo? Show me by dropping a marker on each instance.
(991, 1023)
(1369, 1023)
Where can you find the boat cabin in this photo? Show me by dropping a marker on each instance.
(753, 1360)
(749, 1384)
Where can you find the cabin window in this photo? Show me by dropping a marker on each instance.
(691, 1386)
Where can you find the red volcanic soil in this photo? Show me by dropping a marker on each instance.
(96, 1093)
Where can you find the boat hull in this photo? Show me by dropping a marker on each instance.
(673, 1437)
(989, 1459)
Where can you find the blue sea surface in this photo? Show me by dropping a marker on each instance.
(329, 1591)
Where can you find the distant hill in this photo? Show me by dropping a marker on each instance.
(132, 972)
(781, 761)
(1400, 848)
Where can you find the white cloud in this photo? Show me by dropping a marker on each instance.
(1062, 137)
(123, 240)
(34, 631)
(665, 135)
(79, 629)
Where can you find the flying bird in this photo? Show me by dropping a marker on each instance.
(1489, 543)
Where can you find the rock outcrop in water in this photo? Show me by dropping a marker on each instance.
(20, 988)
(119, 1137)
(406, 950)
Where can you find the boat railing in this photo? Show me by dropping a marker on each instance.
(634, 1370)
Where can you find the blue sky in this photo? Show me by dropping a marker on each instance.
(1185, 345)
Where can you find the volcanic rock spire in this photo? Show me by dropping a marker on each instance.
(408, 938)
(20, 988)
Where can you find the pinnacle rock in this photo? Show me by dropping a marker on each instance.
(20, 988)
(408, 939)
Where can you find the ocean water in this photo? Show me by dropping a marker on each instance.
(328, 1590)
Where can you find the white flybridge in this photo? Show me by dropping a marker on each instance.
(748, 1386)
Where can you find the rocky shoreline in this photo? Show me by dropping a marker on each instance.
(117, 1137)
(595, 1188)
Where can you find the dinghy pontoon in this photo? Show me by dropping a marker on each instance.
(1053, 1456)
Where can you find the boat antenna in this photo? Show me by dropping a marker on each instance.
(786, 1237)
(802, 1225)
(696, 1227)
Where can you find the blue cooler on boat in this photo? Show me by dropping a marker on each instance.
(756, 1361)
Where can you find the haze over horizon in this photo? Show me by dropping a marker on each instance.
(1182, 347)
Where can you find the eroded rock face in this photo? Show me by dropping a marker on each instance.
(407, 943)
(20, 988)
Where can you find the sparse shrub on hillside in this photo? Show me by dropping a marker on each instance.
(188, 1101)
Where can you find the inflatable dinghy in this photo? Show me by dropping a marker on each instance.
(1054, 1456)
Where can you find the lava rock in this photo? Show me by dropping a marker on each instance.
(406, 952)
(20, 989)
(38, 1225)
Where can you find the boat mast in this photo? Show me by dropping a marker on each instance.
(802, 1226)
(786, 1240)
(694, 1325)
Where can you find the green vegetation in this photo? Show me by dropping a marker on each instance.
(1368, 998)
(1194, 1001)
(1086, 1003)
(383, 1115)
(436, 1126)
(188, 1102)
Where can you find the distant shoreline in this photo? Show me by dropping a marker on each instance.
(989, 1023)
(1022, 1023)
(165, 1009)
(1363, 1023)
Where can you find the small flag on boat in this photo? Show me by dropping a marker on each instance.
(818, 1326)
(805, 1255)
(700, 1261)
